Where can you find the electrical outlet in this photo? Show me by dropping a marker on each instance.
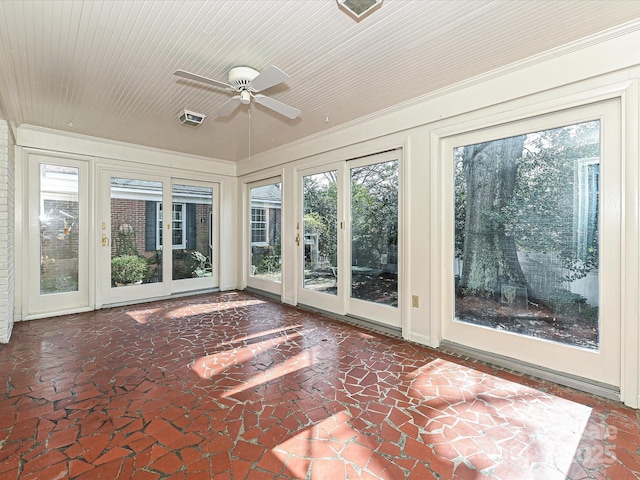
(415, 301)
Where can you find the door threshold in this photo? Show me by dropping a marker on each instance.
(357, 321)
(351, 319)
(610, 392)
(189, 293)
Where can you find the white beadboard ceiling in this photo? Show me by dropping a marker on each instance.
(105, 68)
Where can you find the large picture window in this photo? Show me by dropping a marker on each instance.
(527, 246)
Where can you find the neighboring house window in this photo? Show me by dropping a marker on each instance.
(178, 216)
(586, 201)
(259, 232)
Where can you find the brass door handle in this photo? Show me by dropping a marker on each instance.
(298, 239)
(105, 240)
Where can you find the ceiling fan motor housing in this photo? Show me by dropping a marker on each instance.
(241, 77)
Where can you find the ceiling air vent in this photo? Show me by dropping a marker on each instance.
(359, 8)
(191, 118)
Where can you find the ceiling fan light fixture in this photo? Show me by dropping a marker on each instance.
(191, 119)
(241, 77)
(359, 8)
(245, 97)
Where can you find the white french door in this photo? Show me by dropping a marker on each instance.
(320, 238)
(348, 237)
(372, 221)
(143, 218)
(132, 241)
(58, 238)
(532, 228)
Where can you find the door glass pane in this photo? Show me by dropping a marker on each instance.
(59, 240)
(526, 234)
(136, 256)
(191, 220)
(320, 232)
(374, 233)
(266, 222)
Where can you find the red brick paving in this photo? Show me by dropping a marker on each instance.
(232, 386)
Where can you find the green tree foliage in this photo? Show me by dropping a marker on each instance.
(374, 212)
(546, 204)
(552, 208)
(320, 212)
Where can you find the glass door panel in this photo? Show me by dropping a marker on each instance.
(135, 240)
(59, 226)
(374, 233)
(265, 231)
(319, 238)
(373, 213)
(320, 232)
(58, 234)
(192, 255)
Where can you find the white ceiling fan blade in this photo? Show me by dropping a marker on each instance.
(270, 77)
(277, 106)
(200, 78)
(229, 106)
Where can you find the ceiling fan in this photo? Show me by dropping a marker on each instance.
(247, 82)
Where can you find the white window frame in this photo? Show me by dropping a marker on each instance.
(265, 222)
(553, 360)
(183, 227)
(581, 203)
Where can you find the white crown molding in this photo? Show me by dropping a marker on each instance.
(75, 143)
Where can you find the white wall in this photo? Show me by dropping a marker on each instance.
(7, 209)
(602, 67)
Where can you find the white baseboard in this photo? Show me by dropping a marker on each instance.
(418, 338)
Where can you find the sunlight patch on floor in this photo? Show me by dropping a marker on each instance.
(210, 365)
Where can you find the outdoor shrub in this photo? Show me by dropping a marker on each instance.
(563, 301)
(128, 269)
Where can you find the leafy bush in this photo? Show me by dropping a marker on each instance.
(269, 264)
(127, 269)
(563, 301)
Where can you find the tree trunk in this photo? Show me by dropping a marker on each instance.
(490, 257)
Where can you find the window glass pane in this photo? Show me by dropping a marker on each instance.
(526, 234)
(192, 217)
(266, 222)
(374, 233)
(135, 222)
(177, 226)
(59, 238)
(259, 225)
(320, 234)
